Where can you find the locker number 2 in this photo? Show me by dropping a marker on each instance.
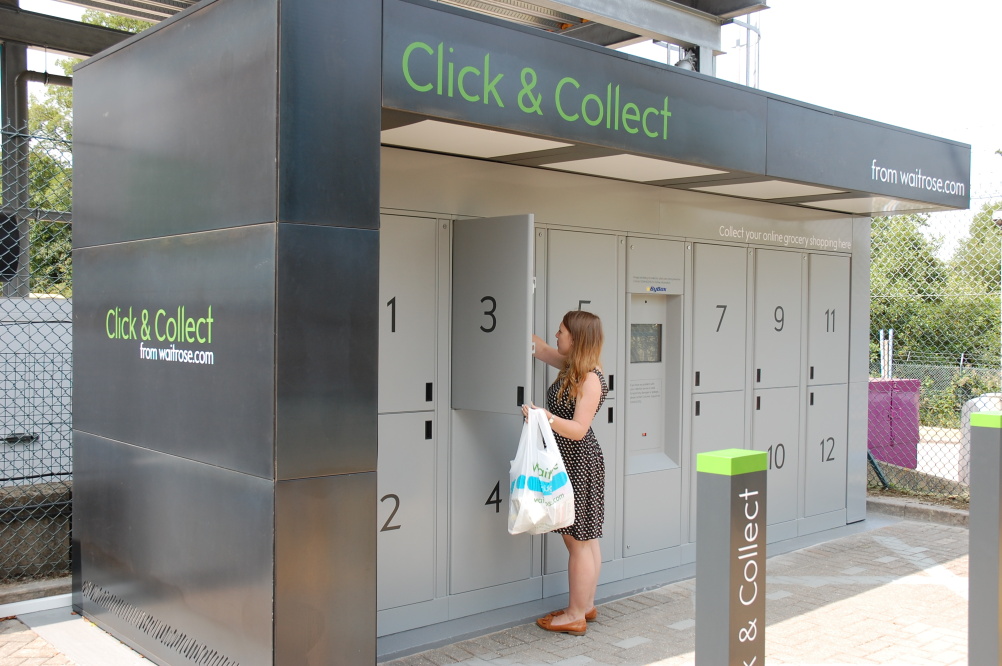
(490, 313)
(396, 507)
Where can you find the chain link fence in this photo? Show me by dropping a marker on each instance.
(935, 287)
(35, 356)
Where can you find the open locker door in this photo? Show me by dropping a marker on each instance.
(492, 265)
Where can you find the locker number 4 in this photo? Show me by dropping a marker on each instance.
(495, 498)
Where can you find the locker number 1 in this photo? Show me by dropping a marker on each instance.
(392, 305)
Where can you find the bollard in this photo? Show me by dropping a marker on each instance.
(984, 605)
(730, 557)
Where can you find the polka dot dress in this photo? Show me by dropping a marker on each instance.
(585, 467)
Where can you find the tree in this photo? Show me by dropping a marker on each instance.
(50, 170)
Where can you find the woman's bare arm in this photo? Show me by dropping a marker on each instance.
(547, 354)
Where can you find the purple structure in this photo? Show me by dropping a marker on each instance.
(893, 433)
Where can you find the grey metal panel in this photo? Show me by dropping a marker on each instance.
(177, 556)
(776, 430)
(482, 552)
(856, 450)
(778, 280)
(652, 511)
(140, 169)
(647, 18)
(330, 92)
(326, 350)
(581, 275)
(718, 318)
(325, 570)
(406, 511)
(408, 307)
(492, 293)
(693, 118)
(985, 577)
(717, 423)
(828, 320)
(859, 302)
(810, 144)
(222, 413)
(825, 449)
(655, 266)
(859, 370)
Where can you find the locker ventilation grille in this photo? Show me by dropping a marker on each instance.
(187, 646)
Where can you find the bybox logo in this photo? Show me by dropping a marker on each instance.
(656, 290)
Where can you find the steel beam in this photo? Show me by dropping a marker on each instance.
(670, 23)
(56, 34)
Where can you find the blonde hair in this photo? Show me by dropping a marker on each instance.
(585, 330)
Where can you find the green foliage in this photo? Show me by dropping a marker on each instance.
(942, 408)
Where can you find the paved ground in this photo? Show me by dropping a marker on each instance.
(896, 595)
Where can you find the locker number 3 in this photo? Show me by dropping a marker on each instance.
(489, 312)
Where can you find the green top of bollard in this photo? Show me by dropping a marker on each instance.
(731, 462)
(986, 419)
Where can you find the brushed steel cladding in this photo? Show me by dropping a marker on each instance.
(176, 555)
(330, 92)
(325, 570)
(326, 300)
(175, 131)
(132, 383)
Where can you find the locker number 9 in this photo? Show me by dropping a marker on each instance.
(780, 316)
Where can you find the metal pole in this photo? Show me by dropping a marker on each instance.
(985, 559)
(14, 90)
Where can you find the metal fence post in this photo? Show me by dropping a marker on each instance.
(730, 557)
(985, 524)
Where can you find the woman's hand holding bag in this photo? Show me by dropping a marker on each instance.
(541, 498)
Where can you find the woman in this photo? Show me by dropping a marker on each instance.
(571, 403)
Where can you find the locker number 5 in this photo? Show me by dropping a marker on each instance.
(490, 313)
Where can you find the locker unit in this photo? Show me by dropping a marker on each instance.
(776, 430)
(581, 274)
(492, 289)
(777, 318)
(717, 423)
(828, 319)
(406, 522)
(408, 284)
(482, 553)
(718, 318)
(825, 449)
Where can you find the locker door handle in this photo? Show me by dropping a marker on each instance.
(812, 372)
(812, 397)
(758, 375)
(427, 429)
(520, 396)
(612, 382)
(610, 415)
(758, 402)
(697, 378)
(697, 408)
(428, 392)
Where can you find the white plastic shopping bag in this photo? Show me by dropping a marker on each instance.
(541, 496)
